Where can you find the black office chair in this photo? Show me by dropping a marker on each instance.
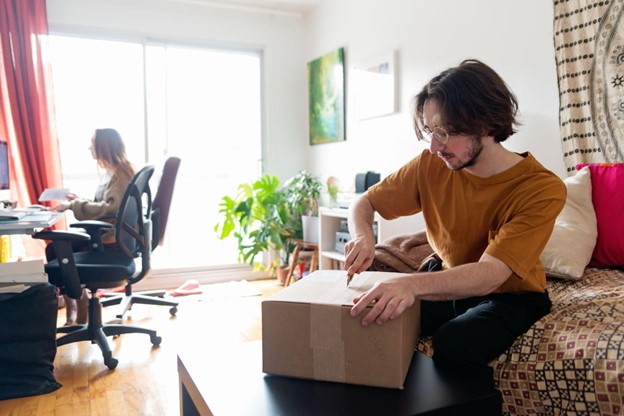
(104, 268)
(160, 215)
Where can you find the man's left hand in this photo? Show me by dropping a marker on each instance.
(389, 299)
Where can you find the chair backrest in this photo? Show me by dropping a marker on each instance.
(162, 200)
(133, 226)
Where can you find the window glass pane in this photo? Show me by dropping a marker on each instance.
(201, 105)
(212, 112)
(97, 84)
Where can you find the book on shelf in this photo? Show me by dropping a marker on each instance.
(24, 272)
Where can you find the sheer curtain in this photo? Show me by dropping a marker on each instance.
(26, 106)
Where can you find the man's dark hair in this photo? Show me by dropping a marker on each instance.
(473, 99)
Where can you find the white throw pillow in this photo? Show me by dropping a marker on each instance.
(572, 242)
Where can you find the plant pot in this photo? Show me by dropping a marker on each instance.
(310, 228)
(281, 272)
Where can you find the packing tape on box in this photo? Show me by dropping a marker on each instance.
(326, 342)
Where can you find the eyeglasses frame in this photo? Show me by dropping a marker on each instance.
(437, 133)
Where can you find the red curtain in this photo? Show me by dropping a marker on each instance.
(26, 106)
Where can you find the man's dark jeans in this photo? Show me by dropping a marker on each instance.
(469, 333)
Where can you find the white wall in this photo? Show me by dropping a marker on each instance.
(514, 37)
(279, 37)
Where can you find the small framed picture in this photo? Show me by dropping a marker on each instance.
(374, 86)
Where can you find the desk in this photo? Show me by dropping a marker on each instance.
(30, 223)
(230, 382)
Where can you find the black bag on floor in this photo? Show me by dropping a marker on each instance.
(28, 342)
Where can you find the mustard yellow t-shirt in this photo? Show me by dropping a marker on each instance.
(509, 215)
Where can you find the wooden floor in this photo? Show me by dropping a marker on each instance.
(146, 380)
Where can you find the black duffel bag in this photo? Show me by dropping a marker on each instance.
(28, 342)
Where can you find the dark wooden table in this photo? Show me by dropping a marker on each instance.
(230, 382)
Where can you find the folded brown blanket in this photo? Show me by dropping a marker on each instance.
(404, 253)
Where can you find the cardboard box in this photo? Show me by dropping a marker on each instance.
(307, 332)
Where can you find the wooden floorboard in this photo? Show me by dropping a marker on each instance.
(146, 380)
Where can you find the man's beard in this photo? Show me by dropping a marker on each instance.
(475, 150)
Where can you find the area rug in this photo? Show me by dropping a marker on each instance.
(225, 290)
(589, 54)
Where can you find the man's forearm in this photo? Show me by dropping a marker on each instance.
(468, 280)
(361, 218)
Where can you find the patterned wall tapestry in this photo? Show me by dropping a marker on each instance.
(589, 51)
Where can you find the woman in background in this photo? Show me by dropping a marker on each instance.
(109, 151)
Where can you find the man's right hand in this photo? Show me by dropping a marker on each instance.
(359, 255)
(360, 251)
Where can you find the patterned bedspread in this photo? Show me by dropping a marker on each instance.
(572, 360)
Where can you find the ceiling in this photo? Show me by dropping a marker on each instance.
(285, 7)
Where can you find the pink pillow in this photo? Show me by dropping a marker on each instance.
(608, 199)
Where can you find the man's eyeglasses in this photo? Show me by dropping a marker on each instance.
(437, 133)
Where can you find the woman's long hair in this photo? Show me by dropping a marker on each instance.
(110, 152)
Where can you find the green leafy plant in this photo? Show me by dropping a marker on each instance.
(333, 187)
(262, 216)
(258, 217)
(303, 191)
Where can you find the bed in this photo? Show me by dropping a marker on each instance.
(572, 360)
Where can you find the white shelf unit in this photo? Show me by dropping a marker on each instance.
(329, 224)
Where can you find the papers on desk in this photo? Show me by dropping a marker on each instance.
(15, 275)
(25, 214)
(11, 215)
(54, 194)
(30, 222)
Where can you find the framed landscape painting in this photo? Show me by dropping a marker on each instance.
(326, 94)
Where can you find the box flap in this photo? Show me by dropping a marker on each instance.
(329, 287)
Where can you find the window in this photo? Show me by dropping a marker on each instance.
(203, 105)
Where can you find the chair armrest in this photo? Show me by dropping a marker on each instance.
(92, 224)
(156, 224)
(94, 228)
(61, 236)
(62, 242)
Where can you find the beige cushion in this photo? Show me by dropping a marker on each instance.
(572, 242)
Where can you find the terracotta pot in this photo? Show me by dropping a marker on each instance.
(282, 271)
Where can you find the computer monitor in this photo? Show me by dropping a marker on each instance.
(5, 193)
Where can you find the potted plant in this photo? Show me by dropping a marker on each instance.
(260, 219)
(333, 187)
(263, 217)
(303, 192)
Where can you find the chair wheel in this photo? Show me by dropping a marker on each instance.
(156, 340)
(111, 363)
(173, 311)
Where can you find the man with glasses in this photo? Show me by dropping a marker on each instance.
(488, 213)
